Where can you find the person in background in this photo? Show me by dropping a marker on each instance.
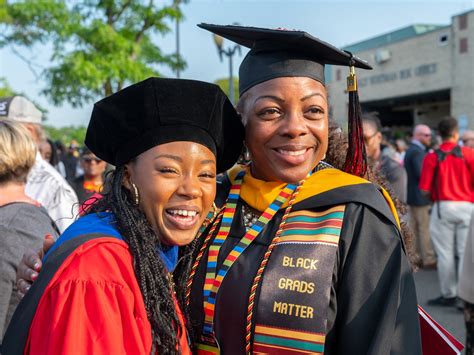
(466, 289)
(61, 150)
(49, 152)
(23, 222)
(447, 176)
(400, 148)
(468, 139)
(92, 180)
(71, 162)
(44, 183)
(419, 204)
(46, 150)
(382, 161)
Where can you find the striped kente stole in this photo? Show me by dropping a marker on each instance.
(292, 307)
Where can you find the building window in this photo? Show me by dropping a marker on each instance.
(443, 39)
(463, 22)
(338, 74)
(463, 45)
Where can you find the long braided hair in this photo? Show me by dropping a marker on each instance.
(150, 270)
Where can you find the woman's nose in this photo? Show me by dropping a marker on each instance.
(190, 187)
(294, 125)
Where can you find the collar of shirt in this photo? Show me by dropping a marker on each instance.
(418, 143)
(169, 255)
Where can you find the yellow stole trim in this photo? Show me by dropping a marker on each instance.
(259, 194)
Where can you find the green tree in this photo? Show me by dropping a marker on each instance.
(66, 134)
(224, 85)
(3, 12)
(98, 46)
(5, 89)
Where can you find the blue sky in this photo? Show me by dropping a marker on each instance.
(338, 22)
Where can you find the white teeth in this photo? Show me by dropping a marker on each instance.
(292, 152)
(184, 213)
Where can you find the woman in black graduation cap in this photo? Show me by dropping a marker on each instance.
(303, 257)
(107, 286)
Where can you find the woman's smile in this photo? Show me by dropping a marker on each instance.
(293, 154)
(182, 217)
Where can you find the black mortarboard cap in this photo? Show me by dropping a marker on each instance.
(279, 53)
(158, 111)
(276, 53)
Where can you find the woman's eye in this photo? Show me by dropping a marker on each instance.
(208, 175)
(269, 113)
(168, 171)
(315, 112)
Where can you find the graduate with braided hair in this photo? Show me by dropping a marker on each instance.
(107, 284)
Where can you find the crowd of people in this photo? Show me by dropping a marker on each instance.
(434, 176)
(146, 221)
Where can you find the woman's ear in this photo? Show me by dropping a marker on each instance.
(127, 177)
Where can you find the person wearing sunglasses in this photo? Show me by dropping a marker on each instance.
(91, 181)
(419, 206)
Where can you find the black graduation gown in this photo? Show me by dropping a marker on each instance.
(373, 304)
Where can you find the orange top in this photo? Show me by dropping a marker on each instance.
(93, 305)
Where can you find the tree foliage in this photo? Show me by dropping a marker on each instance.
(66, 134)
(4, 18)
(224, 85)
(5, 89)
(98, 46)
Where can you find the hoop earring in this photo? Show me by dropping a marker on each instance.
(246, 155)
(137, 195)
(214, 207)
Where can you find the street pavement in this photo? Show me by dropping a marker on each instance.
(450, 318)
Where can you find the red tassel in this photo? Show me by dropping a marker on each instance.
(356, 159)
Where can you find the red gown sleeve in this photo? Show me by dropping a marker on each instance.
(93, 305)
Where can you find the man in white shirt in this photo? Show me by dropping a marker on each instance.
(44, 183)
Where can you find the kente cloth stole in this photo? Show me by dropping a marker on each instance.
(214, 276)
(292, 307)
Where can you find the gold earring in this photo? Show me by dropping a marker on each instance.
(214, 207)
(247, 159)
(137, 195)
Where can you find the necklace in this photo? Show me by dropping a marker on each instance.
(249, 215)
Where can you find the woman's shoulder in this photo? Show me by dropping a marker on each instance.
(27, 219)
(333, 187)
(98, 261)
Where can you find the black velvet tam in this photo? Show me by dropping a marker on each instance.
(158, 111)
(281, 53)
